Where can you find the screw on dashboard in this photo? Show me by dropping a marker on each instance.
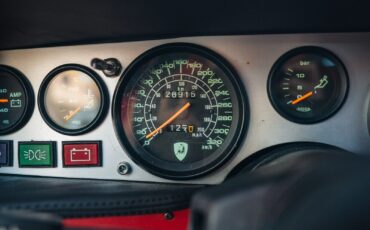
(124, 168)
(168, 215)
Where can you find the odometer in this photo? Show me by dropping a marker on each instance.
(180, 111)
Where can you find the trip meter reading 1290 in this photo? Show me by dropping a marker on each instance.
(180, 110)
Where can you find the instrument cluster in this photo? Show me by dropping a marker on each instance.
(182, 109)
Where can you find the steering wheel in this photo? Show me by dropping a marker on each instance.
(292, 187)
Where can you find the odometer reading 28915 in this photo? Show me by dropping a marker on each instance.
(180, 111)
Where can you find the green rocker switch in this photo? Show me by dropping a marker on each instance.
(37, 154)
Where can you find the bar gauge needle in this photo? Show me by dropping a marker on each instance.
(323, 82)
(169, 120)
(304, 97)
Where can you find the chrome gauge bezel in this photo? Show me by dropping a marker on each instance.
(102, 90)
(173, 171)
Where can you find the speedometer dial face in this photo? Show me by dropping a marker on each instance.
(180, 111)
(307, 85)
(72, 99)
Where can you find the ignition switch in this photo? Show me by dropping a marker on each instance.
(111, 67)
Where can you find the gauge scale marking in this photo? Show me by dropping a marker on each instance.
(181, 113)
(182, 87)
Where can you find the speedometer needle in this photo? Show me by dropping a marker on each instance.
(304, 97)
(167, 122)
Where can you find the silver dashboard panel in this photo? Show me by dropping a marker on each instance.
(251, 56)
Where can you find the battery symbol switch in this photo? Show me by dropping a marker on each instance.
(79, 154)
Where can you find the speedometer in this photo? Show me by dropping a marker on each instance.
(180, 111)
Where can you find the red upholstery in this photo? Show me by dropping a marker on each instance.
(140, 222)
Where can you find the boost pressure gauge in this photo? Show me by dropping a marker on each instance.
(73, 99)
(307, 85)
(16, 100)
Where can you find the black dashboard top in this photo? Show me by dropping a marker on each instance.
(42, 23)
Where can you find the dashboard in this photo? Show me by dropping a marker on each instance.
(183, 110)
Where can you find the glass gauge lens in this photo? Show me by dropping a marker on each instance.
(307, 85)
(16, 100)
(72, 99)
(179, 110)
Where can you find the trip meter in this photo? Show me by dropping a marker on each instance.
(73, 99)
(16, 100)
(307, 85)
(180, 111)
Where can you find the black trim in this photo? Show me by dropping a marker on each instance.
(29, 99)
(9, 153)
(71, 198)
(269, 154)
(100, 153)
(240, 94)
(310, 50)
(102, 89)
(368, 115)
(53, 153)
(73, 22)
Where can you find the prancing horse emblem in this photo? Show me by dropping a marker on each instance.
(181, 150)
